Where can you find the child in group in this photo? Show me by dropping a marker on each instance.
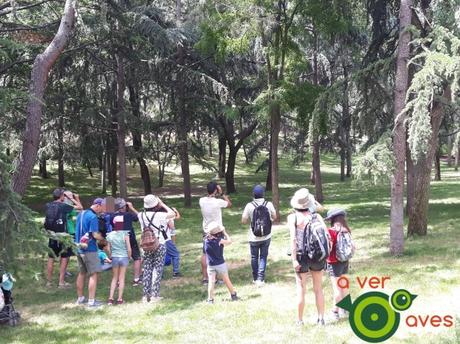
(106, 262)
(215, 240)
(172, 253)
(336, 268)
(120, 250)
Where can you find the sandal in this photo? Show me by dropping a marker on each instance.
(120, 302)
(110, 302)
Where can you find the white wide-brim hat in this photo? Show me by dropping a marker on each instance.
(302, 199)
(150, 201)
(213, 228)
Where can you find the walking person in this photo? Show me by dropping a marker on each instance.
(57, 221)
(154, 261)
(87, 228)
(215, 240)
(301, 223)
(335, 267)
(260, 214)
(211, 210)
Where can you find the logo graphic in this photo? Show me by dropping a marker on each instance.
(373, 315)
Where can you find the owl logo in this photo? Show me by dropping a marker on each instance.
(374, 316)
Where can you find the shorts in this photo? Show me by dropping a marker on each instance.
(59, 250)
(135, 252)
(337, 269)
(220, 269)
(89, 262)
(307, 265)
(120, 261)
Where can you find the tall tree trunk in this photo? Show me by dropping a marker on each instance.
(210, 152)
(450, 146)
(222, 155)
(343, 160)
(275, 116)
(399, 131)
(39, 77)
(104, 172)
(113, 172)
(121, 132)
(183, 126)
(316, 162)
(410, 179)
(457, 151)
(60, 143)
(230, 173)
(42, 170)
(418, 214)
(268, 182)
(437, 164)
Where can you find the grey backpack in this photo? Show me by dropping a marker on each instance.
(344, 248)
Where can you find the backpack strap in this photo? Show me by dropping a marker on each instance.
(81, 222)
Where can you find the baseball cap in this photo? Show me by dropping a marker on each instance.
(119, 203)
(258, 191)
(99, 201)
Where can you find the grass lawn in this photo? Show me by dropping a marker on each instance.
(430, 268)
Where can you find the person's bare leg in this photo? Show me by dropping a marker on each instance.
(92, 284)
(228, 283)
(211, 283)
(137, 269)
(317, 277)
(301, 286)
(80, 283)
(204, 267)
(49, 270)
(63, 269)
(121, 281)
(113, 284)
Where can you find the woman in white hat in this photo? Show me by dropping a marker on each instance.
(305, 206)
(153, 261)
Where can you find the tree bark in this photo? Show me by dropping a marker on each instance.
(437, 164)
(230, 173)
(60, 135)
(410, 179)
(399, 131)
(121, 131)
(275, 116)
(39, 77)
(316, 163)
(450, 146)
(222, 155)
(42, 170)
(418, 214)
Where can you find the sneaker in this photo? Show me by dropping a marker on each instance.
(120, 302)
(68, 274)
(145, 299)
(210, 301)
(204, 282)
(299, 323)
(234, 297)
(137, 282)
(219, 282)
(95, 304)
(176, 275)
(320, 322)
(260, 283)
(110, 302)
(81, 301)
(65, 285)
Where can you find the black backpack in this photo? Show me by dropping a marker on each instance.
(54, 218)
(261, 223)
(315, 243)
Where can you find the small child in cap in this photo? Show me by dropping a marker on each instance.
(216, 239)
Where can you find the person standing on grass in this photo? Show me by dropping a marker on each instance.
(211, 206)
(172, 255)
(336, 268)
(298, 223)
(56, 221)
(260, 213)
(88, 259)
(120, 252)
(123, 218)
(215, 240)
(154, 261)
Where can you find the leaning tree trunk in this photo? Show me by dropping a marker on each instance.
(275, 115)
(399, 131)
(39, 77)
(121, 132)
(418, 214)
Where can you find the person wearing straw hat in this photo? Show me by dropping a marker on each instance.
(336, 268)
(303, 204)
(215, 240)
(153, 261)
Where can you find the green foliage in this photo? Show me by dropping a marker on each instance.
(377, 163)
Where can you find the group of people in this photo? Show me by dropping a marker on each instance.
(118, 243)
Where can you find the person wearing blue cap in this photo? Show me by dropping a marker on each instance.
(88, 259)
(260, 213)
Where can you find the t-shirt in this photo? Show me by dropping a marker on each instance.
(158, 219)
(87, 222)
(118, 244)
(211, 210)
(71, 221)
(214, 250)
(249, 211)
(124, 221)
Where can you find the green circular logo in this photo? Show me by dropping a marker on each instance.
(401, 299)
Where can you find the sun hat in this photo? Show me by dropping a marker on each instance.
(258, 191)
(119, 203)
(335, 212)
(302, 199)
(99, 201)
(150, 201)
(213, 228)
